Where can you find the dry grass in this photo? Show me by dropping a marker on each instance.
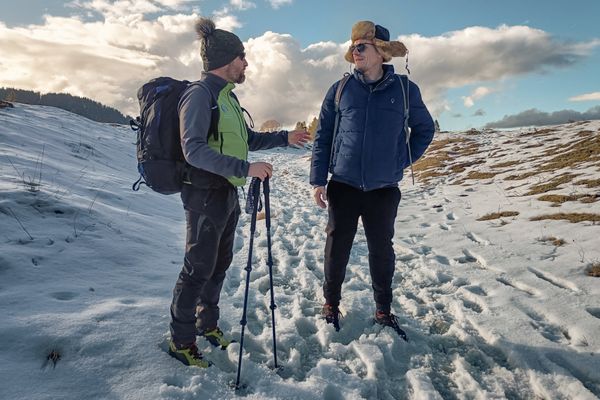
(532, 146)
(473, 132)
(586, 150)
(541, 132)
(505, 164)
(590, 183)
(594, 270)
(496, 215)
(457, 168)
(571, 217)
(553, 184)
(589, 198)
(563, 198)
(584, 134)
(522, 176)
(481, 175)
(440, 144)
(432, 161)
(551, 239)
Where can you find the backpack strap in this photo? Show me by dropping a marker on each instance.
(214, 111)
(406, 95)
(244, 111)
(337, 99)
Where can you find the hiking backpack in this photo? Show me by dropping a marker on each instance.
(161, 163)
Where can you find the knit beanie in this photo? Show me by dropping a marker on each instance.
(218, 47)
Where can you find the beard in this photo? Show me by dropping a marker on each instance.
(236, 74)
(241, 77)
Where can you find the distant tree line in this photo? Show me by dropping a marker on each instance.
(79, 105)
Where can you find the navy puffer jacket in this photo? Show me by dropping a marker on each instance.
(370, 149)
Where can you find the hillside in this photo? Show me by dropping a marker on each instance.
(496, 274)
(79, 105)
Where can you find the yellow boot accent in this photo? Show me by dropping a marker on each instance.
(216, 338)
(188, 355)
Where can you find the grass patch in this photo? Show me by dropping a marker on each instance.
(444, 143)
(505, 164)
(431, 161)
(532, 146)
(496, 215)
(551, 239)
(522, 176)
(584, 134)
(457, 168)
(571, 217)
(553, 184)
(480, 175)
(563, 198)
(590, 183)
(586, 150)
(594, 270)
(540, 132)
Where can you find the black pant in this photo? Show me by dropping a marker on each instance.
(211, 217)
(378, 209)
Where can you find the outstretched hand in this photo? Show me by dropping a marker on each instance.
(298, 137)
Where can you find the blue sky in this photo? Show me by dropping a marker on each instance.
(550, 51)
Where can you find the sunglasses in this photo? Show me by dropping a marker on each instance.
(360, 47)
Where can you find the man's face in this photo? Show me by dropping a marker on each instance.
(236, 69)
(365, 55)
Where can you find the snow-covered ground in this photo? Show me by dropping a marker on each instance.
(494, 309)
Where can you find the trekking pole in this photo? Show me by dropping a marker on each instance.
(253, 197)
(270, 263)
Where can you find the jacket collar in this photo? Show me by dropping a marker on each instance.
(388, 70)
(216, 82)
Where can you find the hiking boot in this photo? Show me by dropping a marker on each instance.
(332, 315)
(389, 319)
(216, 338)
(188, 354)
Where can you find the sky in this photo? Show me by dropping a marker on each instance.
(494, 309)
(478, 64)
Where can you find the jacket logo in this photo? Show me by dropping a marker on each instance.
(393, 100)
(224, 108)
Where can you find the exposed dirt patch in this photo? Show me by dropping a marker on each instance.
(594, 270)
(553, 240)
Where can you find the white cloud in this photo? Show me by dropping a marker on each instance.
(477, 54)
(128, 9)
(108, 60)
(242, 4)
(223, 20)
(478, 93)
(586, 97)
(278, 3)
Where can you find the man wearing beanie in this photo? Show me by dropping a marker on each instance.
(217, 152)
(380, 128)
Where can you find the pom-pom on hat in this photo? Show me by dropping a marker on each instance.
(218, 47)
(380, 37)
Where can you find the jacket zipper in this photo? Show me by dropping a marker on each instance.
(362, 160)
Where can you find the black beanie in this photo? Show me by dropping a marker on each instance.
(218, 47)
